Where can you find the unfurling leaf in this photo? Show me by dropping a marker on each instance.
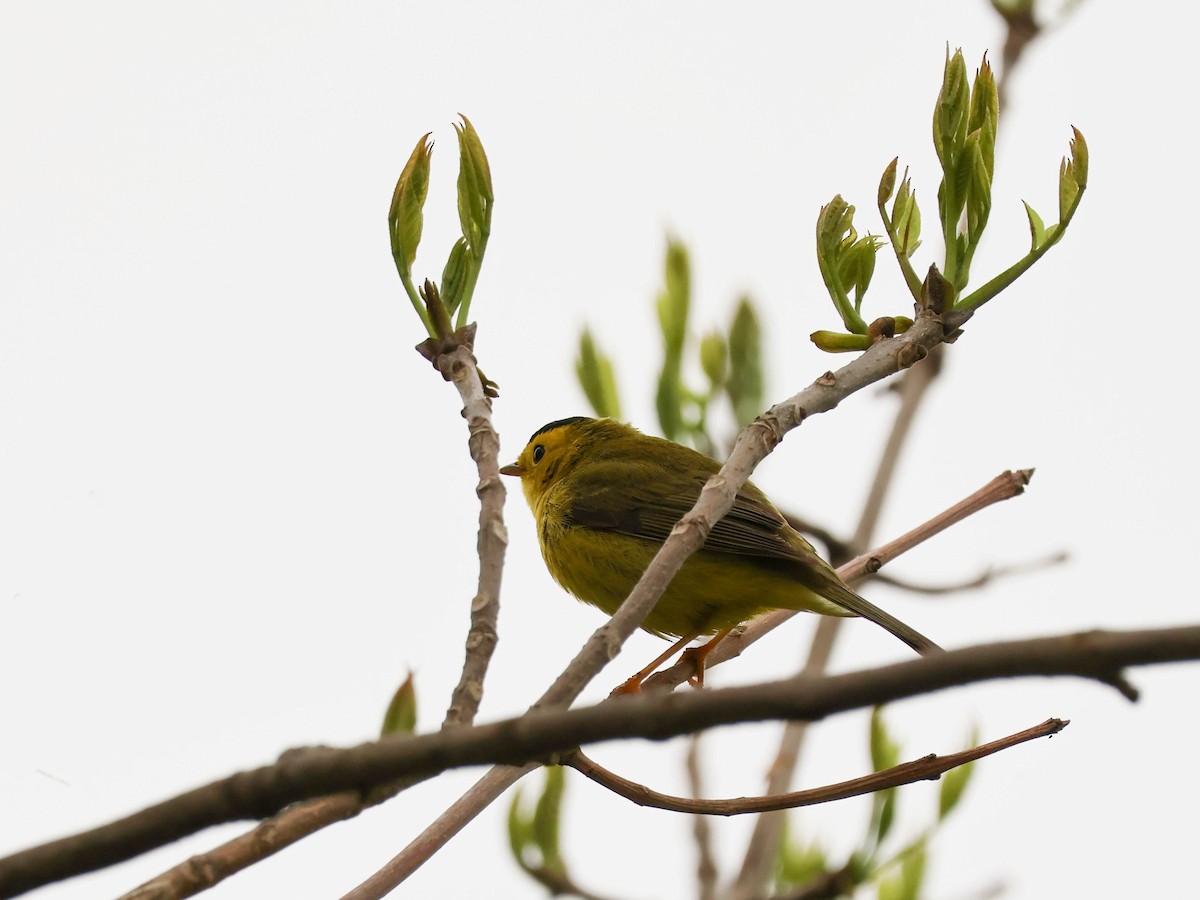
(1072, 177)
(675, 299)
(475, 195)
(841, 259)
(668, 402)
(546, 818)
(950, 113)
(401, 715)
(455, 275)
(405, 217)
(798, 864)
(985, 114)
(887, 814)
(745, 385)
(714, 358)
(534, 836)
(906, 884)
(885, 753)
(887, 183)
(906, 218)
(858, 265)
(955, 782)
(520, 829)
(1037, 229)
(595, 372)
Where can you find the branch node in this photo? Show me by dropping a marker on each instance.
(434, 348)
(1123, 685)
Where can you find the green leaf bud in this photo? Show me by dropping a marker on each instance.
(546, 818)
(401, 715)
(595, 372)
(950, 113)
(745, 384)
(714, 357)
(405, 218)
(673, 302)
(839, 342)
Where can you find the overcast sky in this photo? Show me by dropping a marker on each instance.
(236, 508)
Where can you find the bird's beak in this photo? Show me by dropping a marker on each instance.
(512, 469)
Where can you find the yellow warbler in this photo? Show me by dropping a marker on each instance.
(605, 497)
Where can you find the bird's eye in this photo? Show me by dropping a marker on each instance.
(538, 452)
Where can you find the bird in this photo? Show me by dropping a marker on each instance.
(605, 497)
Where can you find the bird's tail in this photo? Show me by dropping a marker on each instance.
(838, 593)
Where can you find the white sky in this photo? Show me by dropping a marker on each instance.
(236, 507)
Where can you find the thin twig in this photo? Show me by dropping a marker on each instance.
(271, 835)
(707, 874)
(1022, 29)
(459, 367)
(927, 768)
(983, 579)
(1004, 486)
(494, 782)
(763, 845)
(268, 837)
(1095, 655)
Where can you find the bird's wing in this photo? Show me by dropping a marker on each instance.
(753, 527)
(601, 499)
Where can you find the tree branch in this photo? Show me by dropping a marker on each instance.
(268, 837)
(761, 849)
(886, 357)
(456, 362)
(537, 735)
(271, 835)
(296, 822)
(454, 358)
(1004, 486)
(927, 768)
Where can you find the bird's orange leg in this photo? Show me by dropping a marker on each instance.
(633, 684)
(698, 655)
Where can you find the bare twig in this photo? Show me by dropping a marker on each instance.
(457, 364)
(494, 782)
(1003, 487)
(927, 768)
(294, 823)
(538, 735)
(707, 874)
(1022, 29)
(983, 579)
(268, 837)
(768, 829)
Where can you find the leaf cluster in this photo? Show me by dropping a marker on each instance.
(730, 360)
(965, 121)
(437, 306)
